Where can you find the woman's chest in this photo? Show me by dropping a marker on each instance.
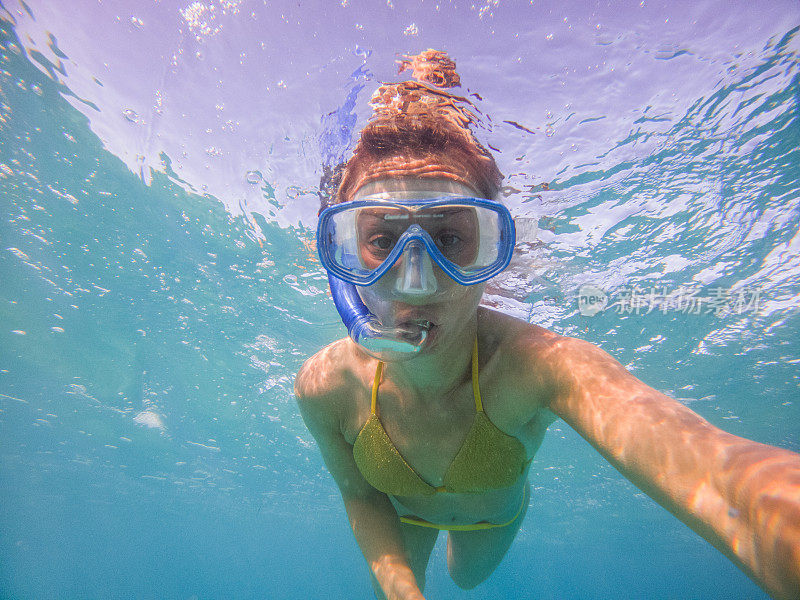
(427, 432)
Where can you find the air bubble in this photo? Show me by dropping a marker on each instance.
(253, 177)
(132, 116)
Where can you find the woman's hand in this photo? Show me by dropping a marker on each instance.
(377, 529)
(396, 579)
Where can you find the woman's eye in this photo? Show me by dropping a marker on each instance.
(448, 240)
(383, 242)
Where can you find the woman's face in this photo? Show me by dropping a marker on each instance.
(442, 306)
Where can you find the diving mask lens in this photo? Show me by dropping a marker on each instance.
(471, 239)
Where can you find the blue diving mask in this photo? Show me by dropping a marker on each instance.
(401, 236)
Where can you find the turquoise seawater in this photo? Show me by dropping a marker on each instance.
(150, 331)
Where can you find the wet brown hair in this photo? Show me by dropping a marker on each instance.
(418, 129)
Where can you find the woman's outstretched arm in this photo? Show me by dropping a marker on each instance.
(741, 496)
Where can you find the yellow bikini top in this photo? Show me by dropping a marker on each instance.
(488, 458)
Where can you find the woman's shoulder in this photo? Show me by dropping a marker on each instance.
(511, 336)
(327, 379)
(533, 350)
(327, 390)
(522, 356)
(324, 372)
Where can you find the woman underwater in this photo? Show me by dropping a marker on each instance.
(428, 415)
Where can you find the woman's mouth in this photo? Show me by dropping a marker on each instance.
(415, 328)
(417, 324)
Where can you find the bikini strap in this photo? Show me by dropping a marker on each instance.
(375, 383)
(476, 390)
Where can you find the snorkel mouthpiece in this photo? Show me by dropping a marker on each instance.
(383, 343)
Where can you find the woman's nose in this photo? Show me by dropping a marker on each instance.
(415, 275)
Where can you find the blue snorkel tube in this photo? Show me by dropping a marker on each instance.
(365, 330)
